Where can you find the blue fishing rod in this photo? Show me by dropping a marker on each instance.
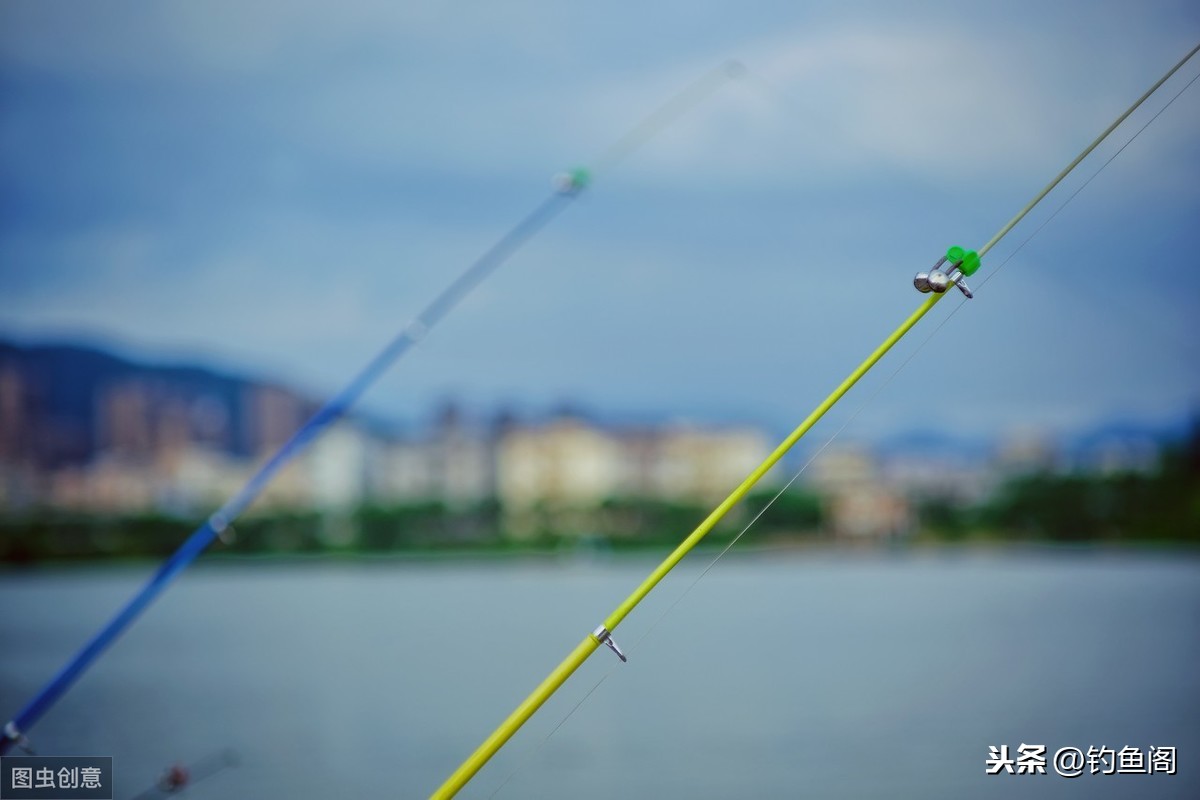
(567, 187)
(219, 522)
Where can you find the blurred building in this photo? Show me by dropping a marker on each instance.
(335, 468)
(564, 462)
(1026, 450)
(701, 464)
(452, 461)
(859, 504)
(957, 480)
(18, 468)
(570, 460)
(86, 430)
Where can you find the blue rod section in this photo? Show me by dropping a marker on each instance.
(329, 413)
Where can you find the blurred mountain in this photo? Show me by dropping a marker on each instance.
(62, 403)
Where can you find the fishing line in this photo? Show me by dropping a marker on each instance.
(965, 263)
(877, 161)
(783, 490)
(636, 646)
(569, 186)
(1083, 186)
(879, 390)
(1000, 234)
(668, 112)
(891, 377)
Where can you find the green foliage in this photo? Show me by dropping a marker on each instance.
(795, 511)
(1158, 506)
(948, 521)
(46, 534)
(427, 525)
(283, 532)
(632, 521)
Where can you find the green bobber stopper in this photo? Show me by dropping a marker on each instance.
(966, 260)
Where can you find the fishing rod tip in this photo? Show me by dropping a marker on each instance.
(572, 181)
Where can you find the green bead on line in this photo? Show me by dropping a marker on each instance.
(580, 177)
(966, 260)
(572, 181)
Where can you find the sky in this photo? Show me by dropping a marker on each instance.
(277, 188)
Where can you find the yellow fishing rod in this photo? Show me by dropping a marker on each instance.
(962, 264)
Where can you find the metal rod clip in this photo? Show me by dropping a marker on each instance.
(962, 263)
(957, 277)
(604, 637)
(13, 733)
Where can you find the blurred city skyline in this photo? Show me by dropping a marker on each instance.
(278, 189)
(83, 430)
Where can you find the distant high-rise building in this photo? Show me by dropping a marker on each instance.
(566, 461)
(859, 504)
(16, 421)
(274, 415)
(125, 425)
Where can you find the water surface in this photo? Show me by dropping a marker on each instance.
(817, 675)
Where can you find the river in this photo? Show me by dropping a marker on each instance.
(782, 674)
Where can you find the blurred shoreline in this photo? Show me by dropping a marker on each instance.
(107, 459)
(703, 555)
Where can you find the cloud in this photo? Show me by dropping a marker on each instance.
(931, 99)
(284, 185)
